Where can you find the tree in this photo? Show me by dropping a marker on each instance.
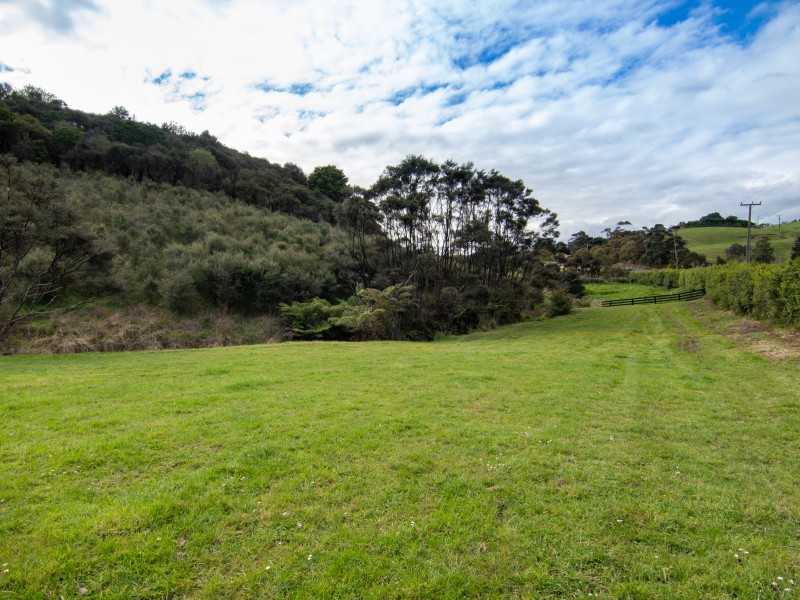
(202, 169)
(120, 112)
(736, 252)
(763, 253)
(796, 248)
(359, 219)
(662, 245)
(44, 248)
(328, 181)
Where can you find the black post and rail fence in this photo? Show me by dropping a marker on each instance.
(680, 297)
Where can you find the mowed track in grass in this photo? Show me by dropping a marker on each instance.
(627, 452)
(713, 241)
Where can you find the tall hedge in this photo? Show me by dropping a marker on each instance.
(666, 278)
(770, 292)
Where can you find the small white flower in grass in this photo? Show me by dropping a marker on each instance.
(267, 568)
(780, 578)
(299, 525)
(309, 556)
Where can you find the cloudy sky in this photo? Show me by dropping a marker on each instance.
(654, 111)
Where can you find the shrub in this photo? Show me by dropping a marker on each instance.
(557, 303)
(308, 320)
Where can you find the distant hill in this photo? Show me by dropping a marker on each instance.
(712, 241)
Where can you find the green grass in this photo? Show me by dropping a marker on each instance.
(615, 291)
(712, 241)
(627, 452)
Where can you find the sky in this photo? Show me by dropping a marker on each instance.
(650, 111)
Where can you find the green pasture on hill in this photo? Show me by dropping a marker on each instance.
(712, 241)
(632, 452)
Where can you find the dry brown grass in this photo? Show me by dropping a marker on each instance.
(103, 329)
(775, 343)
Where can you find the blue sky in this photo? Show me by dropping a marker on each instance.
(640, 110)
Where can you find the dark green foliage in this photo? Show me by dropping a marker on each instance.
(571, 282)
(179, 293)
(558, 303)
(46, 251)
(134, 133)
(329, 181)
(736, 252)
(308, 320)
(763, 252)
(376, 314)
(370, 314)
(796, 248)
(716, 220)
(37, 126)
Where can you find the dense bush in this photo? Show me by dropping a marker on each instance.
(667, 278)
(558, 303)
(770, 292)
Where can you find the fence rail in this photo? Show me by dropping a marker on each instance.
(681, 297)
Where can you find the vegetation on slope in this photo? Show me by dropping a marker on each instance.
(108, 207)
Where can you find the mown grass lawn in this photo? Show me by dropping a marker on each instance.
(628, 452)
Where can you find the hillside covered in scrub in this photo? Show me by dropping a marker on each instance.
(108, 212)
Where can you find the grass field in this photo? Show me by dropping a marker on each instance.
(712, 241)
(636, 452)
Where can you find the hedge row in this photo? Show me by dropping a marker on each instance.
(766, 292)
(666, 278)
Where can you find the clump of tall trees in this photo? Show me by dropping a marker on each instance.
(715, 219)
(656, 247)
(467, 248)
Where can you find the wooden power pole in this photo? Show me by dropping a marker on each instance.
(749, 222)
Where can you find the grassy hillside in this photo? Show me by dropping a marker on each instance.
(629, 452)
(712, 241)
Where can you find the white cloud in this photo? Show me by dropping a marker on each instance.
(602, 111)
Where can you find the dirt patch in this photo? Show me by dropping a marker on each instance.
(748, 330)
(775, 343)
(690, 345)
